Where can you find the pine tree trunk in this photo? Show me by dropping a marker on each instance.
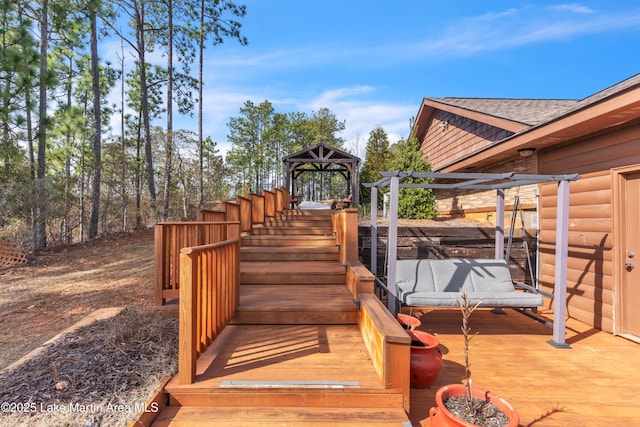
(97, 128)
(40, 238)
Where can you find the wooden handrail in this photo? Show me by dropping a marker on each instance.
(170, 238)
(209, 295)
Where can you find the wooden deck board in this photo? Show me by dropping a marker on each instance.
(595, 383)
(278, 417)
(285, 353)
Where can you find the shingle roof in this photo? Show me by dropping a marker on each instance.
(534, 112)
(612, 90)
(530, 112)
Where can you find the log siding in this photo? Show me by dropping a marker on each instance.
(591, 273)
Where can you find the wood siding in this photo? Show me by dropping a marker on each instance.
(591, 279)
(450, 137)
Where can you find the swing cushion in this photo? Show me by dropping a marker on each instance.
(439, 282)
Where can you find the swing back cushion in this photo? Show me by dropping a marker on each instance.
(439, 283)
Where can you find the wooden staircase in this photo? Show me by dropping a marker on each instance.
(294, 354)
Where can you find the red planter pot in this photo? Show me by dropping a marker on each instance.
(408, 322)
(440, 416)
(426, 359)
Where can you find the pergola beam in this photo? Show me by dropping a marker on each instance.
(474, 181)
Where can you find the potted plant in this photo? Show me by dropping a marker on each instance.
(465, 405)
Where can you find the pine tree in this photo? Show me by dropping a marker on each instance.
(413, 203)
(377, 157)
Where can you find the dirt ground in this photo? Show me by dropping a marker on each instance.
(41, 299)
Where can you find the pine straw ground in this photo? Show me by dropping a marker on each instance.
(99, 375)
(119, 361)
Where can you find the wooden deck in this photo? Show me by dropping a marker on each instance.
(595, 383)
(295, 354)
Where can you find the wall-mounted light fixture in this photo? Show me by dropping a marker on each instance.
(526, 152)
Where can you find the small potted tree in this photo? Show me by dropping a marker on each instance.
(465, 405)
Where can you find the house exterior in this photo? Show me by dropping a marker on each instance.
(597, 137)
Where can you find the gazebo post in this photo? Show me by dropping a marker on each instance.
(499, 246)
(392, 245)
(355, 185)
(562, 249)
(374, 230)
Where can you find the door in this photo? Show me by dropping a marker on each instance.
(631, 256)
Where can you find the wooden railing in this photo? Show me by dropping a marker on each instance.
(209, 215)
(209, 295)
(170, 238)
(269, 203)
(246, 223)
(257, 209)
(388, 344)
(345, 226)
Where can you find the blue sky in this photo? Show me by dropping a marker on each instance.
(371, 62)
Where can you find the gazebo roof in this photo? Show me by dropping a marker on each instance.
(321, 153)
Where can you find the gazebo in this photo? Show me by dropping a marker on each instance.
(479, 181)
(323, 159)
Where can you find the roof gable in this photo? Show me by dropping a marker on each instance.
(543, 123)
(321, 153)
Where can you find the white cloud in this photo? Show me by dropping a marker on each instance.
(519, 27)
(572, 7)
(361, 114)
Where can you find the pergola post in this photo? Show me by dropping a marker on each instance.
(562, 250)
(374, 231)
(392, 245)
(499, 246)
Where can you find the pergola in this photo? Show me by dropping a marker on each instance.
(479, 181)
(324, 159)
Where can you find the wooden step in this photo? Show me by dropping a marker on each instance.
(289, 253)
(294, 230)
(322, 366)
(288, 240)
(298, 304)
(297, 273)
(295, 216)
(312, 213)
(276, 394)
(241, 416)
(295, 222)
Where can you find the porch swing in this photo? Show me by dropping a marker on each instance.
(438, 282)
